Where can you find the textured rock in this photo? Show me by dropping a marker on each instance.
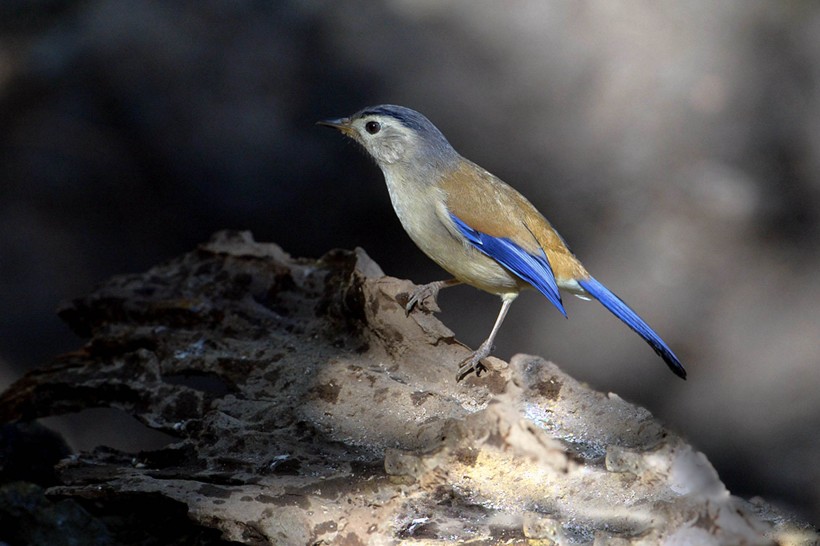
(308, 408)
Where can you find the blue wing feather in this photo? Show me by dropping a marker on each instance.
(536, 270)
(631, 319)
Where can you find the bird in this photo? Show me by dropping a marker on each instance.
(479, 229)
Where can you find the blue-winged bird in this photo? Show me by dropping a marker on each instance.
(479, 229)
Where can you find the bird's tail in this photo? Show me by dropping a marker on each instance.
(631, 319)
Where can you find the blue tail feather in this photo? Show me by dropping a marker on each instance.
(631, 319)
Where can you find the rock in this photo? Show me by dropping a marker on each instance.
(307, 408)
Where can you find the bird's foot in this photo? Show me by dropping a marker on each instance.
(424, 297)
(473, 362)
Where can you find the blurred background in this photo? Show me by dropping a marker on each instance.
(676, 146)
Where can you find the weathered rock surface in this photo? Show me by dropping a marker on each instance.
(309, 409)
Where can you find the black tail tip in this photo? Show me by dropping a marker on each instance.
(674, 364)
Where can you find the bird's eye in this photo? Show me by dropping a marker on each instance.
(372, 127)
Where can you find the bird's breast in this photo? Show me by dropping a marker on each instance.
(415, 204)
(419, 207)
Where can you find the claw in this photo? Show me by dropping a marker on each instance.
(417, 296)
(473, 362)
(425, 296)
(468, 366)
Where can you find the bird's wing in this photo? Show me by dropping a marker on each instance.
(500, 223)
(533, 268)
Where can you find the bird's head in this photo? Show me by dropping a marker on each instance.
(396, 135)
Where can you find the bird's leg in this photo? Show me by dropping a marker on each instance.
(426, 291)
(473, 362)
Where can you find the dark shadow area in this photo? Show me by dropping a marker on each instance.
(110, 427)
(27, 516)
